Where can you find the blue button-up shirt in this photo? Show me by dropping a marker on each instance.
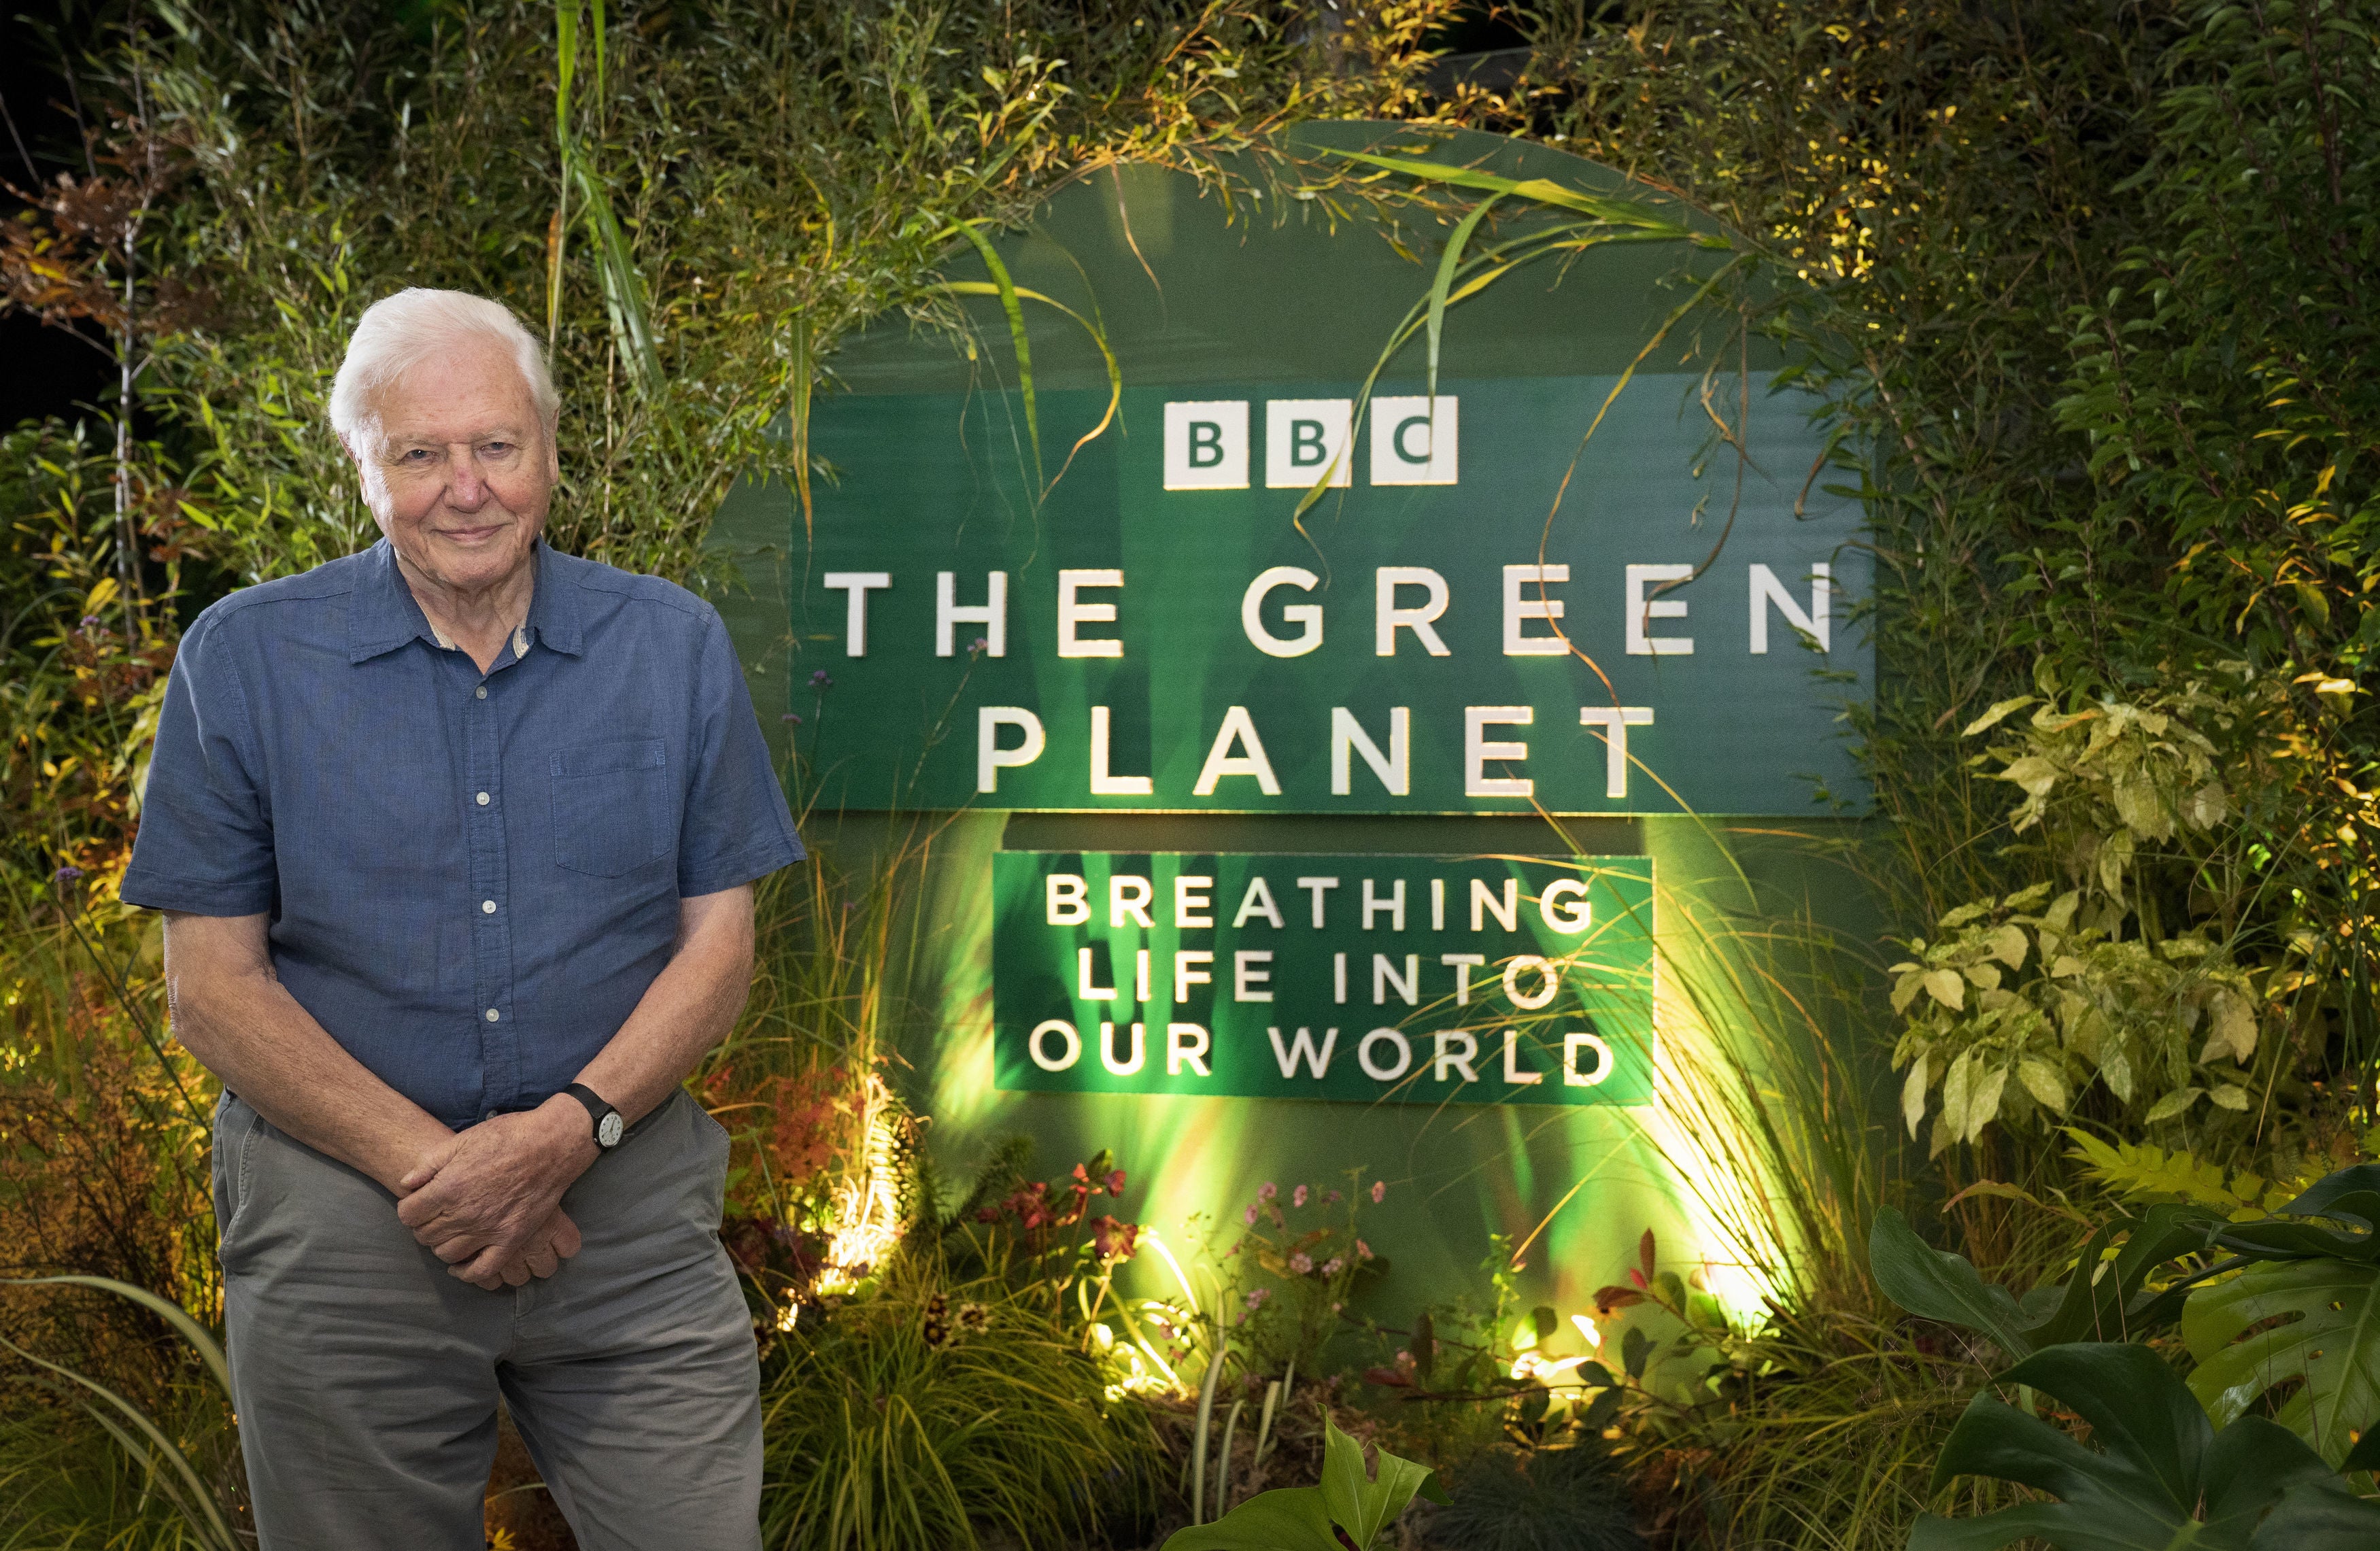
(471, 878)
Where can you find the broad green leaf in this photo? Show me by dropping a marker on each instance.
(1912, 1093)
(1364, 1508)
(2228, 1095)
(1955, 1085)
(2331, 1339)
(1291, 1519)
(2044, 1082)
(2032, 773)
(1935, 1284)
(2232, 1022)
(2175, 1103)
(1947, 986)
(1984, 1102)
(1992, 717)
(2009, 944)
(2156, 1478)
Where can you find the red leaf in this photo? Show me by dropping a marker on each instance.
(1389, 1377)
(1644, 1255)
(1610, 1298)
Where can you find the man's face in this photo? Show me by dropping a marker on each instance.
(462, 467)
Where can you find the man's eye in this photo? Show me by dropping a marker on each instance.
(497, 449)
(417, 455)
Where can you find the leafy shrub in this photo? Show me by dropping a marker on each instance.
(1571, 1498)
(912, 1419)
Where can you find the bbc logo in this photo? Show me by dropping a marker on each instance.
(1207, 443)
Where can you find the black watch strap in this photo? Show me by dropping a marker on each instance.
(609, 1128)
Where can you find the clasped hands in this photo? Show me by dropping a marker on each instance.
(488, 1200)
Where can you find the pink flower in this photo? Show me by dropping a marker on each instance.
(1379, 1191)
(1331, 1267)
(1297, 1197)
(1267, 1190)
(1300, 1263)
(1363, 1250)
(1255, 1300)
(1115, 1182)
(1331, 1199)
(1249, 1217)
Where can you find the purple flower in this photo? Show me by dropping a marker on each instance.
(1297, 1197)
(1249, 1217)
(1379, 1190)
(1267, 1190)
(1300, 1263)
(67, 874)
(794, 716)
(1331, 1200)
(1255, 1300)
(979, 644)
(820, 679)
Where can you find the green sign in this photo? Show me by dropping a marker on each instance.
(1409, 980)
(1595, 572)
(1161, 634)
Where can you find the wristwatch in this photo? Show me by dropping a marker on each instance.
(608, 1125)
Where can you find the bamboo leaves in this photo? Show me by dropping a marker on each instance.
(626, 302)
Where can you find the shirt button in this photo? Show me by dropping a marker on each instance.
(487, 907)
(480, 693)
(493, 1014)
(484, 799)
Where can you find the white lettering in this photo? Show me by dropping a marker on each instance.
(1557, 911)
(1639, 611)
(1190, 901)
(1523, 964)
(1306, 616)
(1450, 1057)
(1074, 1045)
(1104, 784)
(1393, 906)
(1186, 1044)
(1129, 896)
(1385, 979)
(989, 758)
(1067, 897)
(1478, 749)
(1250, 978)
(1379, 1073)
(1507, 911)
(1239, 732)
(1388, 619)
(1257, 901)
(1318, 887)
(1462, 965)
(1084, 990)
(1572, 1077)
(1301, 1049)
(949, 615)
(1518, 611)
(1615, 721)
(1767, 590)
(858, 583)
(1512, 1070)
(1394, 769)
(1073, 613)
(1132, 1063)
(1187, 974)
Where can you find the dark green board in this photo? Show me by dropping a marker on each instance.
(1206, 301)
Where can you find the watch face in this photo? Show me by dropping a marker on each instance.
(608, 1132)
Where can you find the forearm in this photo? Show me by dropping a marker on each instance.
(231, 1012)
(689, 1008)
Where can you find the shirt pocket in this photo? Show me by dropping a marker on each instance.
(610, 806)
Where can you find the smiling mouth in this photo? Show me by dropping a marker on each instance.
(469, 535)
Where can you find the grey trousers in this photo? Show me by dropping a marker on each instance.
(367, 1377)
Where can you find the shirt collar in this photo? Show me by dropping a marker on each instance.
(383, 616)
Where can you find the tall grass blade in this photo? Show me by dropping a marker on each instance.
(1003, 286)
(1098, 337)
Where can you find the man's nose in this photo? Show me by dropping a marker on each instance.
(466, 487)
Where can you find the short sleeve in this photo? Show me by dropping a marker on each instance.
(736, 827)
(205, 843)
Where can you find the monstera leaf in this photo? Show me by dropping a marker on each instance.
(2329, 1337)
(2161, 1478)
(1350, 1511)
(2099, 1298)
(2349, 1199)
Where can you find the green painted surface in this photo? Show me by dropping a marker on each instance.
(1578, 1183)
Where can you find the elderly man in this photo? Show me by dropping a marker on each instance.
(455, 839)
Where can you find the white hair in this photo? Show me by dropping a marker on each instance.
(398, 332)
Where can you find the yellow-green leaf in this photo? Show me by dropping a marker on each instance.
(1912, 1093)
(1992, 717)
(2009, 945)
(1947, 987)
(2230, 1096)
(2173, 1104)
(2044, 1082)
